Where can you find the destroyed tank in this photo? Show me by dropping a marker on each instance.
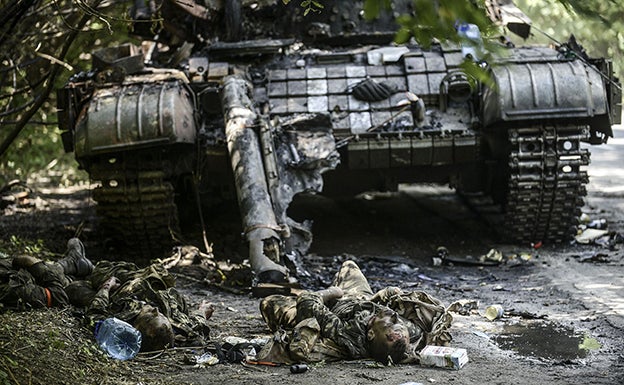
(264, 102)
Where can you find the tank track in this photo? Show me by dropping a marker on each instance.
(545, 185)
(137, 207)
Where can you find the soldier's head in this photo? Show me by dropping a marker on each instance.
(387, 336)
(156, 330)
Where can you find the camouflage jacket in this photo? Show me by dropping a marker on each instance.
(308, 330)
(151, 285)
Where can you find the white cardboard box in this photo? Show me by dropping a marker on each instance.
(443, 357)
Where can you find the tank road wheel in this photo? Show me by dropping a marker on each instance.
(137, 210)
(539, 187)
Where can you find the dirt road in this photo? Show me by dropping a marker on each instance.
(564, 305)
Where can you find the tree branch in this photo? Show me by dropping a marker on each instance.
(40, 100)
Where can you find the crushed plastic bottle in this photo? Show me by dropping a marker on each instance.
(118, 338)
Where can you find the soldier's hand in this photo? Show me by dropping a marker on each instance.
(331, 293)
(110, 284)
(207, 309)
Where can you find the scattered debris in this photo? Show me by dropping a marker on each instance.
(440, 257)
(405, 268)
(515, 260)
(584, 219)
(443, 357)
(590, 235)
(207, 309)
(299, 368)
(492, 258)
(480, 334)
(463, 306)
(240, 350)
(524, 314)
(610, 241)
(600, 224)
(494, 312)
(589, 343)
(424, 277)
(118, 339)
(595, 258)
(262, 289)
(206, 359)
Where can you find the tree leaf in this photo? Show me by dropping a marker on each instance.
(372, 9)
(402, 36)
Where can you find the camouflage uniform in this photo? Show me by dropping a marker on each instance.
(337, 330)
(45, 284)
(40, 285)
(152, 285)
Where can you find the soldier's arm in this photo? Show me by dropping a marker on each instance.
(383, 296)
(310, 305)
(98, 309)
(330, 294)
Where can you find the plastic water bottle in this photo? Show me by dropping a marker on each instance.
(118, 338)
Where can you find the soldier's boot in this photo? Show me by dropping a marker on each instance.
(75, 262)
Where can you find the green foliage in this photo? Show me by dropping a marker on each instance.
(589, 8)
(372, 8)
(433, 20)
(476, 73)
(309, 5)
(597, 24)
(29, 51)
(15, 245)
(9, 365)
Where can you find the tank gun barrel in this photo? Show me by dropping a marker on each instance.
(259, 222)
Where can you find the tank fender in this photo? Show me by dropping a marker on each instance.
(544, 91)
(141, 114)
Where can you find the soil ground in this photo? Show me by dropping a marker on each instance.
(564, 305)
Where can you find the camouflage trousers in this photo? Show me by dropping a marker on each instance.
(40, 285)
(280, 311)
(425, 317)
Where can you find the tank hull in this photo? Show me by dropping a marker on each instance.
(260, 121)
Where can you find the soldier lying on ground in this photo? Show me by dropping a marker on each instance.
(348, 321)
(143, 297)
